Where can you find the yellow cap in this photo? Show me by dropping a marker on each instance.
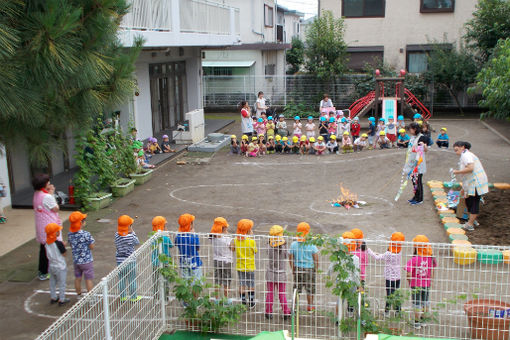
(332, 137)
(261, 135)
(285, 139)
(303, 138)
(382, 133)
(346, 133)
(444, 129)
(320, 138)
(364, 135)
(233, 136)
(270, 137)
(245, 137)
(278, 137)
(295, 139)
(312, 139)
(254, 138)
(402, 131)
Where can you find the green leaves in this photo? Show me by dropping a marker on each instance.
(295, 57)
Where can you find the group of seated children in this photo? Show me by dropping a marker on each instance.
(268, 137)
(142, 155)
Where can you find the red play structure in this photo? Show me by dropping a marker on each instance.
(374, 98)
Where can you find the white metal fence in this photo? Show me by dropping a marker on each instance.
(225, 92)
(453, 285)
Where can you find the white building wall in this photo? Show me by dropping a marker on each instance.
(403, 25)
(4, 178)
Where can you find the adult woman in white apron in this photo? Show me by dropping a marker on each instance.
(246, 120)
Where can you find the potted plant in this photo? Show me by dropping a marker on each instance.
(487, 319)
(141, 175)
(99, 200)
(122, 186)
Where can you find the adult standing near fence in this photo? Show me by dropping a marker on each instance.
(416, 161)
(325, 102)
(475, 182)
(260, 104)
(246, 121)
(46, 211)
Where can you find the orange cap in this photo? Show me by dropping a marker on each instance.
(185, 221)
(218, 225)
(303, 229)
(351, 245)
(123, 224)
(422, 249)
(51, 232)
(158, 223)
(75, 218)
(396, 247)
(358, 234)
(243, 227)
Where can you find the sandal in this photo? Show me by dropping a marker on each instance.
(3, 219)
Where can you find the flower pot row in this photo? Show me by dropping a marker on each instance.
(120, 188)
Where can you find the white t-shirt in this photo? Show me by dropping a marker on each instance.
(246, 122)
(361, 142)
(465, 159)
(327, 103)
(49, 202)
(55, 259)
(221, 249)
(262, 103)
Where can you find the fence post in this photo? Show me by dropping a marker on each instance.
(161, 282)
(244, 87)
(107, 330)
(340, 316)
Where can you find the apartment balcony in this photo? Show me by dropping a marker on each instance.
(180, 23)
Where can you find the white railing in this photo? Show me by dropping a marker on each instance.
(184, 16)
(453, 284)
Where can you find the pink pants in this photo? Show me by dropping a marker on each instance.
(281, 296)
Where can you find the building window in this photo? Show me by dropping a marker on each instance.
(217, 71)
(363, 8)
(268, 16)
(434, 6)
(417, 62)
(361, 57)
(270, 70)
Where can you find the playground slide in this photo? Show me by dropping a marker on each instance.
(389, 109)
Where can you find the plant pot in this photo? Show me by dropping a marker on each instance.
(488, 319)
(142, 177)
(123, 187)
(96, 203)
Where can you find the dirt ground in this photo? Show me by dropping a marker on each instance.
(273, 189)
(494, 220)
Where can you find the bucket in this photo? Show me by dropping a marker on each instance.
(488, 319)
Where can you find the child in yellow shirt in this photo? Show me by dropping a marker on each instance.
(245, 249)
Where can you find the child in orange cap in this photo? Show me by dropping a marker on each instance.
(81, 245)
(223, 247)
(56, 251)
(360, 252)
(246, 248)
(125, 243)
(304, 261)
(159, 224)
(392, 267)
(420, 272)
(188, 244)
(275, 271)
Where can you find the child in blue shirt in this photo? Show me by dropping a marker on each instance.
(188, 244)
(403, 139)
(443, 139)
(371, 131)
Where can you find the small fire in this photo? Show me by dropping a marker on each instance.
(347, 199)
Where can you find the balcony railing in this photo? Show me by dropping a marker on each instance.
(182, 16)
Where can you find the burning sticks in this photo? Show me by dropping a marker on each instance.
(347, 199)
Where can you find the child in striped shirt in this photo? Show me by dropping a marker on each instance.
(125, 243)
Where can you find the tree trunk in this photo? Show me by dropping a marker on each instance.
(454, 96)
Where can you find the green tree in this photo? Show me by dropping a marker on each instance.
(494, 82)
(326, 51)
(295, 56)
(490, 22)
(61, 65)
(451, 69)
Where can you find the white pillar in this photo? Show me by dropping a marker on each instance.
(175, 12)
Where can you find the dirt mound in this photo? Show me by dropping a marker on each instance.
(494, 220)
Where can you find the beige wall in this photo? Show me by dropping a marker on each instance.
(403, 25)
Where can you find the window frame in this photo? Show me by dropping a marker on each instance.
(437, 10)
(266, 15)
(364, 7)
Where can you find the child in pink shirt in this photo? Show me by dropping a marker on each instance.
(420, 272)
(361, 253)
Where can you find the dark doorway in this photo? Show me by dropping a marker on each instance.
(168, 94)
